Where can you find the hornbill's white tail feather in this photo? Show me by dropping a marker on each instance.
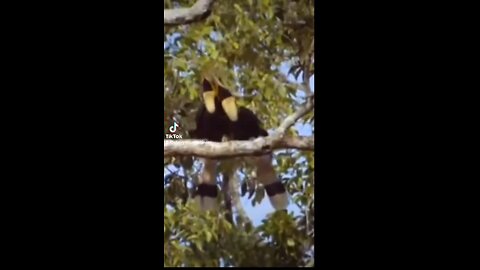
(273, 186)
(207, 192)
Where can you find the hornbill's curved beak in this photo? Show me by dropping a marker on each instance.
(209, 93)
(217, 90)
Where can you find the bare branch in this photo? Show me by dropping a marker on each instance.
(235, 190)
(179, 16)
(292, 119)
(229, 149)
(306, 80)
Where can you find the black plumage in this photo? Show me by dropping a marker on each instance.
(219, 117)
(214, 126)
(247, 127)
(211, 126)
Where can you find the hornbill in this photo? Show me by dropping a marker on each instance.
(219, 117)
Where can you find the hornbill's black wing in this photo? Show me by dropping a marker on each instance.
(220, 117)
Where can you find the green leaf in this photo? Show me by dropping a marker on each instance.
(290, 243)
(209, 236)
(237, 8)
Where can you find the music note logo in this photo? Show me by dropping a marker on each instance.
(173, 128)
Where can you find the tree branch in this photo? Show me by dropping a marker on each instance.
(259, 146)
(235, 195)
(229, 149)
(292, 119)
(178, 16)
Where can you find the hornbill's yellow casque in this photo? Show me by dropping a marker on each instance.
(218, 118)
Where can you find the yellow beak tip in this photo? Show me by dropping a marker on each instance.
(209, 100)
(230, 108)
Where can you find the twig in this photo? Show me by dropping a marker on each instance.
(292, 119)
(234, 193)
(306, 80)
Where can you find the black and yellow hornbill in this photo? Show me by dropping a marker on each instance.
(218, 118)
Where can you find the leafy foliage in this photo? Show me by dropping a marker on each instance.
(249, 45)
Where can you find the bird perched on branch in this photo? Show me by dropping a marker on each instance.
(220, 117)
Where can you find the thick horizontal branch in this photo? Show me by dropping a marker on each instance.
(178, 16)
(259, 146)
